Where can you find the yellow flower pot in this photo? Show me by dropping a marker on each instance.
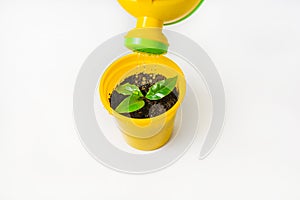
(149, 133)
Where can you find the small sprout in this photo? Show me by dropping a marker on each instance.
(135, 100)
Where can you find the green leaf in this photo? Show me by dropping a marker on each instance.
(130, 104)
(129, 89)
(161, 89)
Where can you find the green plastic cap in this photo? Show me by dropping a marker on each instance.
(146, 45)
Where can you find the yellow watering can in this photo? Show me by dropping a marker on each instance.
(151, 15)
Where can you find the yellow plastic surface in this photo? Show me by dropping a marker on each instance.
(154, 13)
(150, 133)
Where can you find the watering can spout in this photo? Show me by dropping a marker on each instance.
(143, 22)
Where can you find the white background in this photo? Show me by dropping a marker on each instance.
(256, 48)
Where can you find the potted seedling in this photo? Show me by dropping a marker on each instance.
(157, 100)
(142, 100)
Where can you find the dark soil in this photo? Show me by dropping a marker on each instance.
(151, 108)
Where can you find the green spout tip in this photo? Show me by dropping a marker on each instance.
(146, 46)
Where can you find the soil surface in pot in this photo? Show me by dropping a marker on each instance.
(152, 108)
